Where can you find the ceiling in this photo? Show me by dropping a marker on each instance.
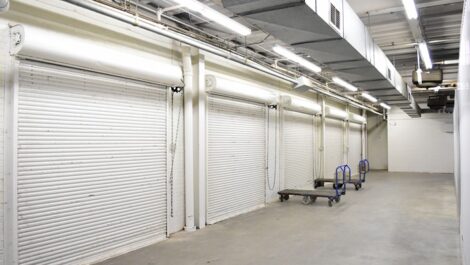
(440, 22)
(386, 20)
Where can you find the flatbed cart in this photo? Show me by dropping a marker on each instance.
(363, 169)
(310, 196)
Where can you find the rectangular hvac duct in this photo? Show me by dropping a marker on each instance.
(330, 32)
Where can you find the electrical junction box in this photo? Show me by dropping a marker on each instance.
(303, 84)
(430, 78)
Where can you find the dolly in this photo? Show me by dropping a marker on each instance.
(310, 196)
(363, 169)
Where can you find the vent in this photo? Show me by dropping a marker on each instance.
(335, 17)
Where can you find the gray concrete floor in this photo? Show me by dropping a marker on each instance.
(398, 218)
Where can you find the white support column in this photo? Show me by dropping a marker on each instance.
(188, 139)
(10, 164)
(364, 137)
(200, 141)
(346, 138)
(322, 141)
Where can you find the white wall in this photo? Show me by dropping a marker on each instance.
(377, 142)
(463, 98)
(420, 145)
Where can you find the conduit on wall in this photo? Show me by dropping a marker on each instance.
(241, 90)
(35, 43)
(300, 105)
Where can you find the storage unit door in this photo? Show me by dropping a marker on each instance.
(236, 157)
(92, 165)
(298, 149)
(334, 150)
(355, 146)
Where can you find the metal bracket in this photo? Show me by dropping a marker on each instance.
(176, 89)
(160, 11)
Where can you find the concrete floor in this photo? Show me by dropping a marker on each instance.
(398, 218)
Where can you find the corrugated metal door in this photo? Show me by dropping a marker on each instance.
(92, 165)
(355, 146)
(334, 146)
(298, 149)
(236, 157)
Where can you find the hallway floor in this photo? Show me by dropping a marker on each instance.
(396, 219)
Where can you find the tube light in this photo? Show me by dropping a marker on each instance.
(385, 106)
(215, 16)
(344, 84)
(424, 51)
(369, 97)
(295, 58)
(410, 9)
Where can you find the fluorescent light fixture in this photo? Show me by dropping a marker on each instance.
(424, 51)
(369, 97)
(295, 58)
(344, 84)
(385, 106)
(215, 16)
(410, 9)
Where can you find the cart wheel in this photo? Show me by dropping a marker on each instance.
(306, 200)
(340, 185)
(334, 186)
(337, 199)
(281, 198)
(313, 198)
(360, 185)
(330, 203)
(286, 197)
(357, 186)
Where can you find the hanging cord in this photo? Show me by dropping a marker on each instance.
(275, 148)
(174, 141)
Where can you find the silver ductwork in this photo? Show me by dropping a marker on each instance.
(331, 33)
(161, 30)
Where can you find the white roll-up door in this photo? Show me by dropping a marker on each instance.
(92, 165)
(236, 157)
(334, 146)
(298, 149)
(355, 146)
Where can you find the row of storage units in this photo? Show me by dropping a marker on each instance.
(98, 156)
(239, 120)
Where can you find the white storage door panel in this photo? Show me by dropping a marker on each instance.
(236, 159)
(334, 149)
(298, 149)
(355, 146)
(91, 164)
